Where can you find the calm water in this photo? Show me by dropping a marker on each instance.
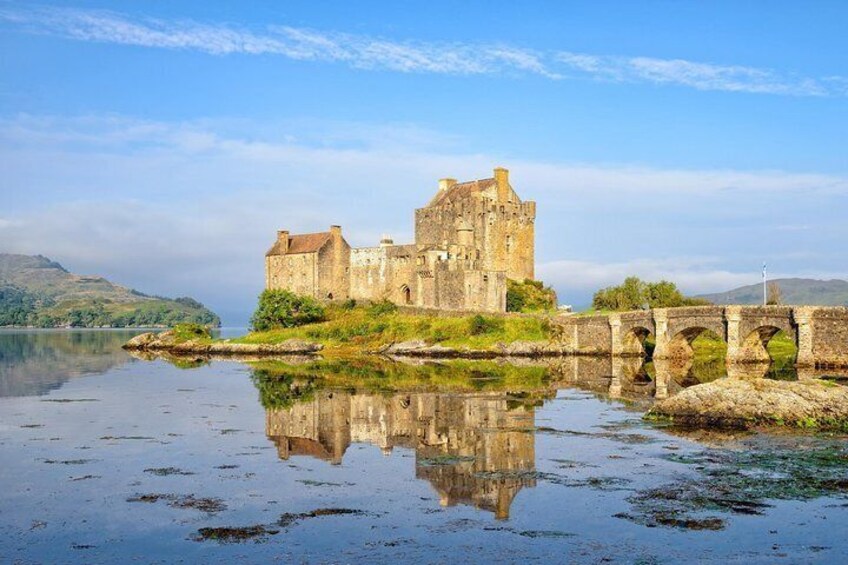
(110, 458)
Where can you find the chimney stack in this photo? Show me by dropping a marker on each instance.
(502, 181)
(283, 238)
(445, 184)
(336, 231)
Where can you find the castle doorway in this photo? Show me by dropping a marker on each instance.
(407, 294)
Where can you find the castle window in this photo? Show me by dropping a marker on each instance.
(508, 243)
(485, 278)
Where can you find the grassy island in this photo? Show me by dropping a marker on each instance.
(349, 328)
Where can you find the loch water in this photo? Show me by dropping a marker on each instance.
(105, 457)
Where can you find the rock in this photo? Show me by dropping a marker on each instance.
(530, 349)
(141, 341)
(165, 341)
(744, 403)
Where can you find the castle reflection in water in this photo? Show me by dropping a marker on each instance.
(474, 448)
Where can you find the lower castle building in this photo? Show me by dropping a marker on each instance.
(469, 239)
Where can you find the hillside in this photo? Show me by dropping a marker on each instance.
(35, 291)
(795, 291)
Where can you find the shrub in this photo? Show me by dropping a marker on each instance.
(349, 304)
(529, 296)
(185, 332)
(381, 308)
(479, 325)
(283, 309)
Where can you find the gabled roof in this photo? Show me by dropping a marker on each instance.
(461, 190)
(301, 243)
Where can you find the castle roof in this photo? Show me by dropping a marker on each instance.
(461, 190)
(301, 243)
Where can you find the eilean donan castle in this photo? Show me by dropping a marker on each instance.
(469, 240)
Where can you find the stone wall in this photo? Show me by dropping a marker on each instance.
(830, 337)
(425, 279)
(296, 273)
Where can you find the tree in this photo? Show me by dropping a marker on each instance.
(635, 294)
(774, 294)
(283, 309)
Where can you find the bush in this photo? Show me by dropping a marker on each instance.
(381, 308)
(283, 309)
(185, 332)
(479, 325)
(529, 296)
(349, 304)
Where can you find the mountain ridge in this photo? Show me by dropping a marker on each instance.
(794, 291)
(36, 291)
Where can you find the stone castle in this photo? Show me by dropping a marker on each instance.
(469, 240)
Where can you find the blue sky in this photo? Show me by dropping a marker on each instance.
(162, 143)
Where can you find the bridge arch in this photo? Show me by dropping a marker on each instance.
(754, 347)
(679, 345)
(633, 341)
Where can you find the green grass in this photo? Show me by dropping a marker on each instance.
(360, 328)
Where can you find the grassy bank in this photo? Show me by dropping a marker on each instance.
(352, 330)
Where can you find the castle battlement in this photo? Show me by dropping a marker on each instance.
(469, 239)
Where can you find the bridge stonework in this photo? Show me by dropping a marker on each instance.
(819, 333)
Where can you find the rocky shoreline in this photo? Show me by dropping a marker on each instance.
(420, 348)
(166, 342)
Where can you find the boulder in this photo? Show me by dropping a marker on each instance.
(731, 402)
(141, 341)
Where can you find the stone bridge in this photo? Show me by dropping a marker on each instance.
(819, 333)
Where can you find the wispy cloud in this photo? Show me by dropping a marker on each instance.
(409, 56)
(294, 43)
(701, 76)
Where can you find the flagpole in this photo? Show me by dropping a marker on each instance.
(765, 294)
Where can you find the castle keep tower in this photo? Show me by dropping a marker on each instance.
(485, 217)
(469, 240)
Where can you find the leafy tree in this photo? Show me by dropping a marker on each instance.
(635, 294)
(283, 309)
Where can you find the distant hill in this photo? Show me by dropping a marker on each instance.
(794, 291)
(35, 291)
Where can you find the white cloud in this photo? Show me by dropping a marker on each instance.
(455, 58)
